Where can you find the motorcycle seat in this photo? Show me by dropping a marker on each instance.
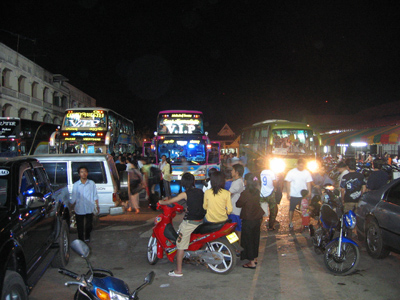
(210, 227)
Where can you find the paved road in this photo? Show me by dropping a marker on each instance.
(288, 268)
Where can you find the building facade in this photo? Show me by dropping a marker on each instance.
(28, 91)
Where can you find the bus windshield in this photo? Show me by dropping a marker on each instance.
(90, 120)
(289, 141)
(194, 150)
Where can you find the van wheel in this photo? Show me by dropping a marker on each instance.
(62, 257)
(14, 287)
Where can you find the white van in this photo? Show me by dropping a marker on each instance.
(63, 169)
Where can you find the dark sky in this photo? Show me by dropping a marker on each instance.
(238, 61)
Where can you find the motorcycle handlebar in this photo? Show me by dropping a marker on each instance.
(68, 273)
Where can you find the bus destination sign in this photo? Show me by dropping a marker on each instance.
(180, 123)
(94, 120)
(8, 128)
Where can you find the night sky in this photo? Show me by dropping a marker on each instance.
(238, 61)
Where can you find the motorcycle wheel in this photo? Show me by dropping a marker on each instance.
(152, 251)
(229, 254)
(346, 263)
(374, 241)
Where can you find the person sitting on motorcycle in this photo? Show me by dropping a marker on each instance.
(217, 200)
(193, 218)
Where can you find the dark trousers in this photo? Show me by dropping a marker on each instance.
(162, 191)
(250, 239)
(84, 224)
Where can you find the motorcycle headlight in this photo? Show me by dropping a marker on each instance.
(312, 166)
(277, 165)
(350, 220)
(118, 296)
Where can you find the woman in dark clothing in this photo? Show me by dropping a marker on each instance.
(251, 216)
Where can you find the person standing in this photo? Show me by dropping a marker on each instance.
(167, 177)
(236, 189)
(251, 215)
(296, 180)
(135, 186)
(352, 186)
(161, 166)
(86, 203)
(193, 218)
(343, 170)
(267, 194)
(378, 177)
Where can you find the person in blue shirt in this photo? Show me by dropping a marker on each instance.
(86, 203)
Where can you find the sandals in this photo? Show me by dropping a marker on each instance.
(173, 274)
(247, 266)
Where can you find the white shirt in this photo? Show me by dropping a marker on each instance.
(267, 182)
(298, 181)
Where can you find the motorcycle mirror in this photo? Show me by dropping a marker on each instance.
(150, 277)
(80, 248)
(148, 280)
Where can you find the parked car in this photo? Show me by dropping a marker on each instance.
(34, 226)
(63, 169)
(378, 220)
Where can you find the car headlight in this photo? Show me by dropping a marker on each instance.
(312, 166)
(350, 220)
(277, 165)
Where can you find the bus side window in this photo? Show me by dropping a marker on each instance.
(264, 138)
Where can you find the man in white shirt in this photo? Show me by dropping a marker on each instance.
(296, 180)
(267, 194)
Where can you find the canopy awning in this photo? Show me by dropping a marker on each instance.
(371, 136)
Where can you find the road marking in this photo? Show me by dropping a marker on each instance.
(263, 243)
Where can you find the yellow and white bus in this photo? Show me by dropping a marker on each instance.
(282, 142)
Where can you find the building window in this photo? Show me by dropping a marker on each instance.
(35, 87)
(5, 78)
(56, 99)
(21, 84)
(46, 95)
(23, 113)
(35, 116)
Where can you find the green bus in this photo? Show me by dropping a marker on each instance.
(282, 142)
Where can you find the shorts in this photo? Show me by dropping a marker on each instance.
(236, 219)
(185, 230)
(350, 206)
(294, 201)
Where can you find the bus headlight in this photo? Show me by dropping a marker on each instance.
(277, 165)
(312, 166)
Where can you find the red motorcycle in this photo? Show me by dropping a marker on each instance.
(211, 244)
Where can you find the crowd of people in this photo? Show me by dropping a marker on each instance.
(250, 200)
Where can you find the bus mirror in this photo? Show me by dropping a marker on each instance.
(52, 141)
(108, 137)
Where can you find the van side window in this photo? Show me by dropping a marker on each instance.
(42, 181)
(96, 171)
(57, 172)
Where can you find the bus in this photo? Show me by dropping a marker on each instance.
(24, 137)
(94, 130)
(282, 142)
(181, 137)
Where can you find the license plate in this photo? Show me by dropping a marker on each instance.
(232, 238)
